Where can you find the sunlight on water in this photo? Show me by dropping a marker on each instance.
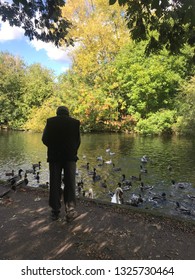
(169, 159)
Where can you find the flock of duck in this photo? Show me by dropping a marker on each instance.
(129, 191)
(17, 179)
(132, 191)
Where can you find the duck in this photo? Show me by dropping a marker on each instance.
(9, 174)
(114, 168)
(96, 177)
(118, 196)
(37, 165)
(37, 177)
(125, 187)
(125, 181)
(103, 184)
(91, 172)
(144, 188)
(143, 170)
(99, 158)
(90, 193)
(44, 186)
(108, 161)
(144, 159)
(182, 209)
(80, 186)
(161, 197)
(20, 183)
(86, 166)
(17, 177)
(111, 153)
(101, 163)
(191, 196)
(136, 178)
(31, 171)
(135, 200)
(180, 185)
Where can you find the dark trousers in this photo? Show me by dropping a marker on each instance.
(69, 173)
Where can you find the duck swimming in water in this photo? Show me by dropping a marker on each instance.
(9, 174)
(135, 200)
(180, 185)
(144, 188)
(144, 159)
(96, 177)
(114, 168)
(182, 209)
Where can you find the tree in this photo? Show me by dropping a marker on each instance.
(39, 85)
(12, 74)
(39, 19)
(186, 108)
(99, 32)
(167, 23)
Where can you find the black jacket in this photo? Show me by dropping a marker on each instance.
(62, 137)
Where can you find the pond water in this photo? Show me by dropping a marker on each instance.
(22, 149)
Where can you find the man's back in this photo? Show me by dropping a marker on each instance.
(62, 137)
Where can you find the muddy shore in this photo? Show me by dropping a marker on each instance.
(102, 231)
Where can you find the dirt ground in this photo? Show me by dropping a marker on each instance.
(102, 231)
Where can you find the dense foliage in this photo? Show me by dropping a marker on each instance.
(39, 19)
(112, 84)
(166, 23)
(169, 24)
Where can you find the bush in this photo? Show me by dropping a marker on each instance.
(159, 123)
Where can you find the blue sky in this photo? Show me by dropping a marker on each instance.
(13, 41)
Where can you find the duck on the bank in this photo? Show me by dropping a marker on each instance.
(17, 177)
(182, 209)
(20, 183)
(44, 186)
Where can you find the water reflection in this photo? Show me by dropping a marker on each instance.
(21, 150)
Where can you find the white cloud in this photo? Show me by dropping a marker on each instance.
(8, 32)
(52, 51)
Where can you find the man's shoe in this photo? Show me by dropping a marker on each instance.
(71, 215)
(55, 215)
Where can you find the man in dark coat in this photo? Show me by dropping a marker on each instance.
(62, 138)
